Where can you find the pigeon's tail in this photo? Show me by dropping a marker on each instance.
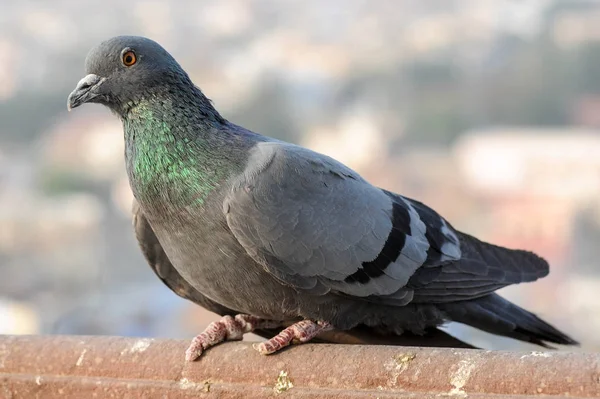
(496, 315)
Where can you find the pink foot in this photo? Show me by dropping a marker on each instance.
(226, 329)
(302, 331)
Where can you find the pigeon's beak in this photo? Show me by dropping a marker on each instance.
(85, 91)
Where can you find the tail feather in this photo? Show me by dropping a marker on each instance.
(518, 266)
(496, 315)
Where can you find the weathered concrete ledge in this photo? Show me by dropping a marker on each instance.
(100, 367)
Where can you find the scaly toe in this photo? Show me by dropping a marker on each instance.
(262, 348)
(194, 351)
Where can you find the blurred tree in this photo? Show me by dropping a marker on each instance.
(268, 111)
(16, 122)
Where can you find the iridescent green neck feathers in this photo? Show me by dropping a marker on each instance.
(169, 161)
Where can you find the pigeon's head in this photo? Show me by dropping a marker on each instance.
(126, 69)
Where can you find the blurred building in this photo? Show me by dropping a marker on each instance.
(533, 182)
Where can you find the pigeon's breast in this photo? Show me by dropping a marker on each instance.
(206, 254)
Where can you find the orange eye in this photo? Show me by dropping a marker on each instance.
(129, 58)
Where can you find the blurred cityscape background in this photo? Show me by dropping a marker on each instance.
(487, 110)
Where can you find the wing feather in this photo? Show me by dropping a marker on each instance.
(318, 226)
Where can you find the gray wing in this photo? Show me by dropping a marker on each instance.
(318, 226)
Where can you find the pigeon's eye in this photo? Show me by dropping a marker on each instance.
(129, 58)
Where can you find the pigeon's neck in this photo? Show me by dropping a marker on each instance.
(173, 154)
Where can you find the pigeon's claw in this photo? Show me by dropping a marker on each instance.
(302, 331)
(227, 329)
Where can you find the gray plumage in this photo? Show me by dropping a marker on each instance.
(266, 228)
(166, 272)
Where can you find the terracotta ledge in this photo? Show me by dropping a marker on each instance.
(86, 367)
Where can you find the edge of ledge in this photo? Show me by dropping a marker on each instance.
(95, 366)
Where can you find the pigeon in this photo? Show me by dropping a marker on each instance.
(273, 235)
